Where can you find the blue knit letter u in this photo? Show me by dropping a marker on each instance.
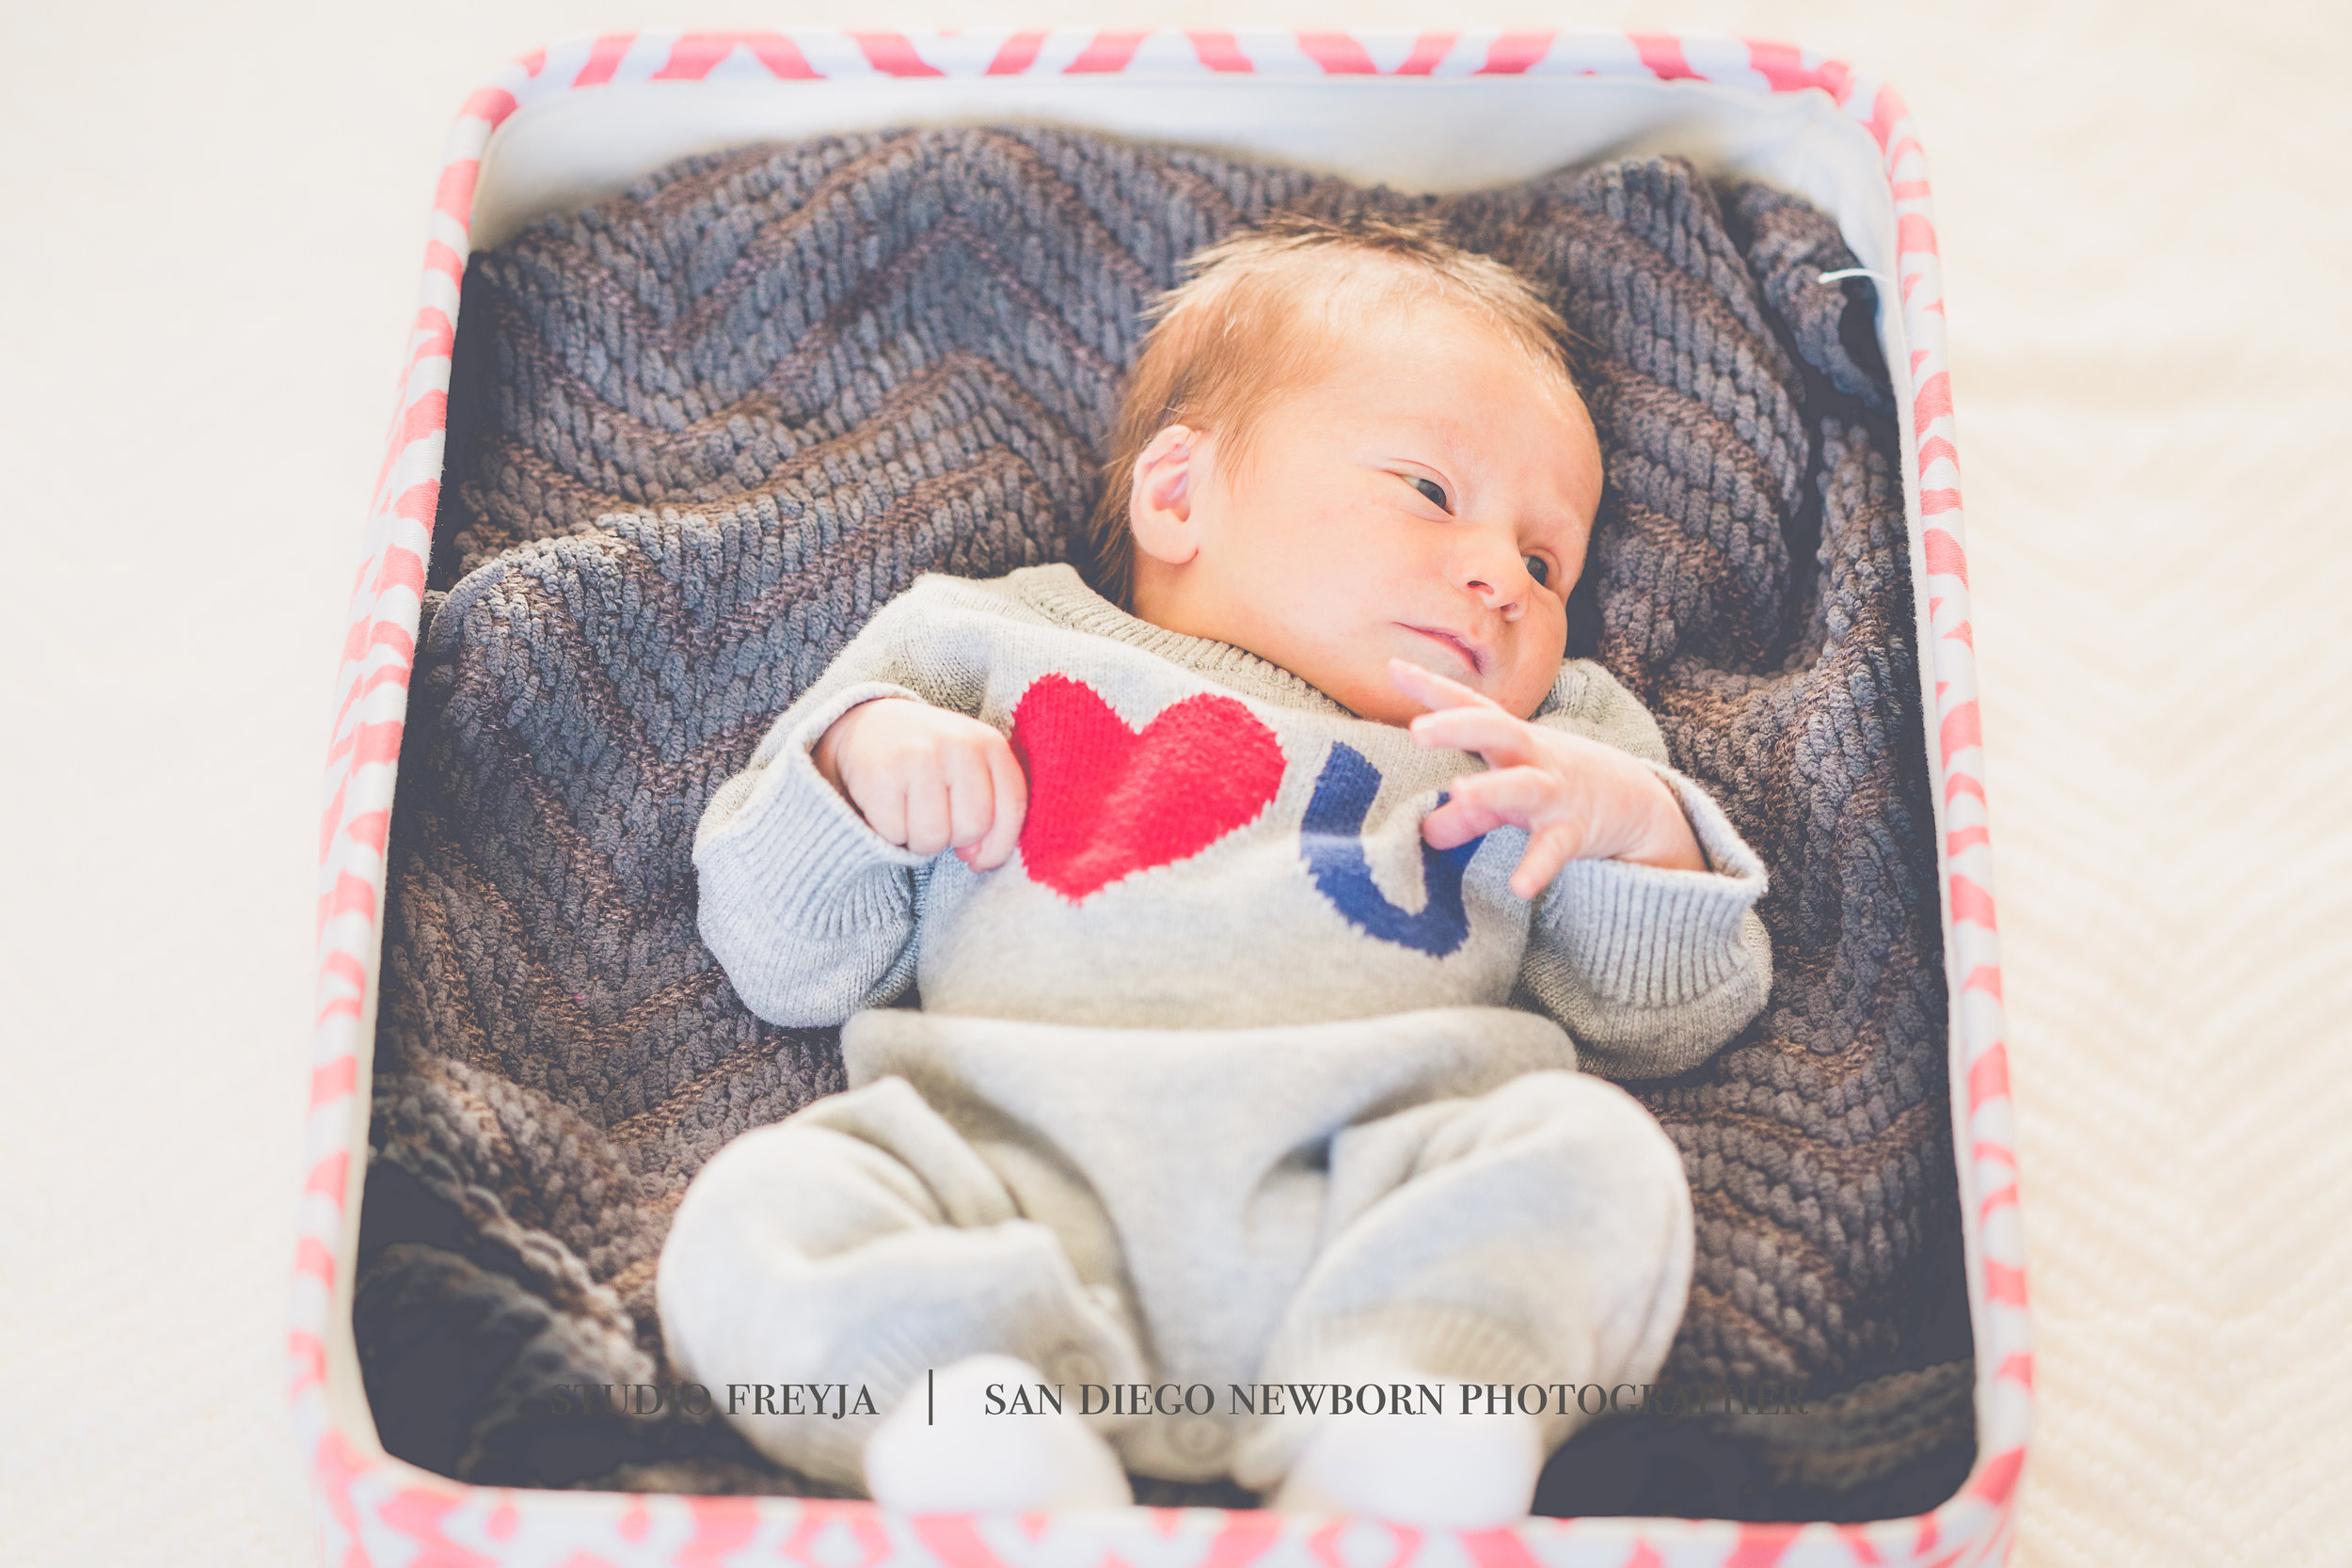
(1331, 838)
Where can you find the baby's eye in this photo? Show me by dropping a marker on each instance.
(1431, 489)
(1538, 570)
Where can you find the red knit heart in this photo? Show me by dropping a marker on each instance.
(1105, 801)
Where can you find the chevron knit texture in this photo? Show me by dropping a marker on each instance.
(701, 431)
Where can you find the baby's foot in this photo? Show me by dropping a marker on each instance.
(940, 1451)
(1448, 1471)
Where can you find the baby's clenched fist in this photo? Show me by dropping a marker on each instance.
(1577, 799)
(927, 780)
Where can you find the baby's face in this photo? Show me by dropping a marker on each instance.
(1429, 497)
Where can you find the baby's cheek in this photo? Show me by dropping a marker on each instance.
(1531, 675)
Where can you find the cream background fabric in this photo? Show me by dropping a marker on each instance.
(216, 218)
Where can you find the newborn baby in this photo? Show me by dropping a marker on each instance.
(1261, 899)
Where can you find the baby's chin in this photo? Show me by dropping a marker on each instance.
(1370, 692)
(1358, 680)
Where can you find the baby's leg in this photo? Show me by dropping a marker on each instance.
(1539, 1233)
(865, 1243)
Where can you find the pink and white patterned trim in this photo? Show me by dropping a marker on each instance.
(373, 1509)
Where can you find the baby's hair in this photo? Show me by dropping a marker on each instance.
(1251, 318)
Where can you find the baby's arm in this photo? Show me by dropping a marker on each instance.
(1645, 943)
(809, 907)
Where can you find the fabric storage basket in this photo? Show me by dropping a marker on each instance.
(1432, 111)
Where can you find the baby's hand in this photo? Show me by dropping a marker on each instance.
(1577, 799)
(927, 780)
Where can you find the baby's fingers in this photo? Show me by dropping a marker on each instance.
(883, 804)
(1433, 691)
(1490, 732)
(929, 816)
(1010, 795)
(1546, 853)
(1513, 795)
(1481, 802)
(971, 796)
(1457, 821)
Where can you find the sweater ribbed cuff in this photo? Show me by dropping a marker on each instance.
(1647, 937)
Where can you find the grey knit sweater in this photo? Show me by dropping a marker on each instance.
(1211, 842)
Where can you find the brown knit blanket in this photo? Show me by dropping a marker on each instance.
(861, 357)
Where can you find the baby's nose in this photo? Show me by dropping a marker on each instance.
(1497, 590)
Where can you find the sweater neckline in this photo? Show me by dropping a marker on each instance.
(1059, 593)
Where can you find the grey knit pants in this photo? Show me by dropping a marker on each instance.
(1312, 1204)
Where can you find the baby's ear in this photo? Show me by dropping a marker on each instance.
(1159, 504)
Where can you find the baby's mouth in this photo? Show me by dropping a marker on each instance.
(1461, 650)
